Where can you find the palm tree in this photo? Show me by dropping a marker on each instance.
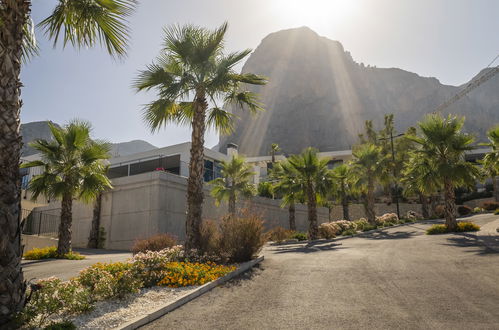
(368, 166)
(74, 168)
(289, 187)
(274, 148)
(342, 191)
(443, 145)
(234, 182)
(192, 71)
(491, 160)
(418, 178)
(312, 175)
(84, 23)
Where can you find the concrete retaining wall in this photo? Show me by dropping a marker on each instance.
(32, 241)
(149, 203)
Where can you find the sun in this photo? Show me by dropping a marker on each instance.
(313, 12)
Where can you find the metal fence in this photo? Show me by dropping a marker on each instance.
(39, 223)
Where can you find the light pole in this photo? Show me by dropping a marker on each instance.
(395, 169)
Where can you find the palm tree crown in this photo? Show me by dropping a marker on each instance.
(235, 182)
(73, 167)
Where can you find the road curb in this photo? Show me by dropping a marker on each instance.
(149, 317)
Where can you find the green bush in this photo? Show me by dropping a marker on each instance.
(53, 297)
(369, 227)
(241, 236)
(361, 223)
(154, 243)
(149, 266)
(50, 253)
(464, 210)
(300, 236)
(110, 280)
(461, 227)
(478, 210)
(496, 212)
(490, 206)
(349, 232)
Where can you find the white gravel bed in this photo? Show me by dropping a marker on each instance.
(112, 313)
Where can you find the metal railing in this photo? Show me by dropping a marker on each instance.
(40, 223)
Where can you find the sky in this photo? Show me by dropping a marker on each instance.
(451, 40)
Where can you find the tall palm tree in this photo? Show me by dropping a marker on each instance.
(287, 185)
(342, 191)
(312, 174)
(368, 167)
(491, 160)
(191, 74)
(443, 145)
(82, 23)
(234, 182)
(74, 168)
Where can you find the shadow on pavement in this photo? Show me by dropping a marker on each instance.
(470, 242)
(310, 247)
(386, 235)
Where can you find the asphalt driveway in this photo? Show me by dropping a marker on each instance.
(65, 269)
(395, 279)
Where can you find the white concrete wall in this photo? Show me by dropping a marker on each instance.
(143, 205)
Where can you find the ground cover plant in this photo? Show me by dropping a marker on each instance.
(51, 253)
(52, 299)
(461, 227)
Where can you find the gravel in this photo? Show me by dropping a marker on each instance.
(112, 313)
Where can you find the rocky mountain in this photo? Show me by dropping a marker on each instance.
(40, 130)
(319, 96)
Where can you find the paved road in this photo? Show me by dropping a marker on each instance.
(395, 279)
(65, 269)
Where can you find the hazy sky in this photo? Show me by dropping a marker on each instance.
(451, 40)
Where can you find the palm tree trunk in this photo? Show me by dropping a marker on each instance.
(232, 204)
(93, 240)
(13, 15)
(425, 207)
(450, 205)
(433, 205)
(195, 194)
(346, 211)
(495, 183)
(64, 245)
(313, 229)
(292, 221)
(370, 213)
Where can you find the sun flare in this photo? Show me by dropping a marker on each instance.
(310, 12)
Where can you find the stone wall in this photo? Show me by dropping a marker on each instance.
(149, 203)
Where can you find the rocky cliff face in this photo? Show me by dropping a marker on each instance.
(319, 96)
(40, 130)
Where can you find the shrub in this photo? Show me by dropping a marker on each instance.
(461, 227)
(110, 280)
(50, 253)
(51, 297)
(361, 223)
(413, 216)
(149, 266)
(387, 219)
(329, 230)
(345, 225)
(241, 236)
(178, 274)
(440, 211)
(210, 237)
(464, 210)
(496, 212)
(478, 210)
(490, 206)
(279, 234)
(349, 232)
(300, 236)
(154, 243)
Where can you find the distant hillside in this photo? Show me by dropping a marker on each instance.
(40, 130)
(319, 96)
